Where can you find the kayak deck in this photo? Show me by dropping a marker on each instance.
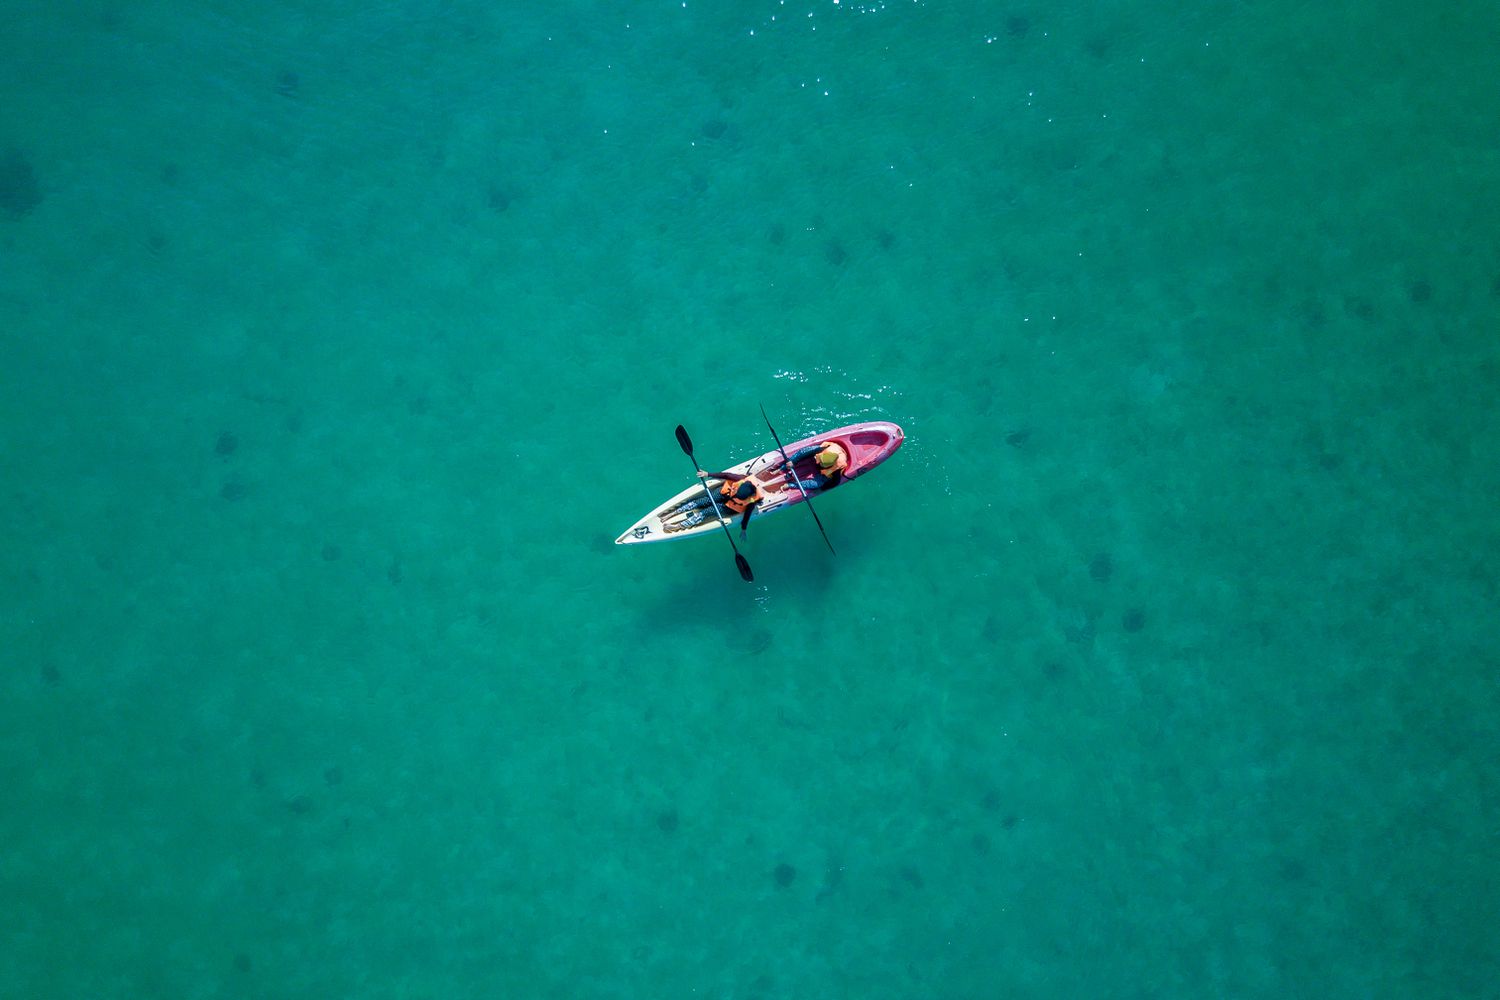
(686, 516)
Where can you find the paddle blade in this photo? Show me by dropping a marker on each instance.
(744, 567)
(685, 441)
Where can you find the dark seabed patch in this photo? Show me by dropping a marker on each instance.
(19, 190)
(1360, 308)
(1079, 635)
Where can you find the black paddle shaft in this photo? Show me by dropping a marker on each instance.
(740, 562)
(792, 474)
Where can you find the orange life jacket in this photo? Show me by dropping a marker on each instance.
(734, 503)
(840, 459)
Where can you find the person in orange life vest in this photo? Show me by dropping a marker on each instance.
(831, 461)
(738, 494)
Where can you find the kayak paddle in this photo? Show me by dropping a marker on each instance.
(739, 560)
(792, 474)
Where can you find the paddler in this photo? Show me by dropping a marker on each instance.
(738, 494)
(830, 461)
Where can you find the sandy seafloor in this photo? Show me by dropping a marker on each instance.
(339, 340)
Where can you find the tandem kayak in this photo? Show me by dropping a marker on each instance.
(867, 444)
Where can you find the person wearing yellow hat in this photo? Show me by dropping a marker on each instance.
(830, 462)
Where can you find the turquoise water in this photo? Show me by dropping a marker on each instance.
(339, 341)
